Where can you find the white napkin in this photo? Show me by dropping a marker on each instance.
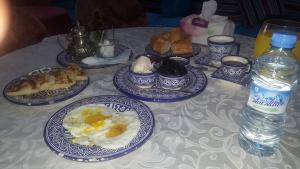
(208, 9)
(121, 58)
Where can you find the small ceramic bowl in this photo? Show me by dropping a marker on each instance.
(171, 82)
(181, 60)
(142, 80)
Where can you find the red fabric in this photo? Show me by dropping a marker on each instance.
(23, 30)
(56, 20)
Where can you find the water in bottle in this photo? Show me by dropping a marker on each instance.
(273, 77)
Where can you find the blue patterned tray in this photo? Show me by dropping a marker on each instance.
(58, 140)
(196, 51)
(196, 83)
(64, 58)
(44, 97)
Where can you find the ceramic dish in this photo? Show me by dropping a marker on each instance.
(245, 80)
(196, 51)
(58, 139)
(44, 97)
(195, 83)
(64, 58)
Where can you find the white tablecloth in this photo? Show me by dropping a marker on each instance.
(197, 133)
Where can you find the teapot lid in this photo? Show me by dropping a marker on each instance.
(78, 29)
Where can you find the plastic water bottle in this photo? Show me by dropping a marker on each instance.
(273, 77)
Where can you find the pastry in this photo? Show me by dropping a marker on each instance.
(183, 46)
(176, 34)
(62, 79)
(23, 87)
(76, 72)
(175, 40)
(160, 44)
(56, 79)
(43, 81)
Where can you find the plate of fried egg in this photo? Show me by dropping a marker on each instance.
(99, 128)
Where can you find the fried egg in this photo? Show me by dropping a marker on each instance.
(95, 124)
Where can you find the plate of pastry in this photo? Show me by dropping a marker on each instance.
(99, 128)
(170, 81)
(172, 43)
(46, 85)
(120, 51)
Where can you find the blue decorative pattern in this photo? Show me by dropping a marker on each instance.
(64, 58)
(58, 138)
(218, 51)
(244, 80)
(172, 83)
(142, 80)
(196, 81)
(47, 96)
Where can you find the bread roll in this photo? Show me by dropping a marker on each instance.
(160, 44)
(176, 34)
(183, 46)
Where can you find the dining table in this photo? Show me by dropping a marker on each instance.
(195, 133)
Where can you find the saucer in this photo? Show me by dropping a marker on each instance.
(205, 59)
(64, 58)
(245, 80)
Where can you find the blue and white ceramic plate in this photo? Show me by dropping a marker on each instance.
(196, 51)
(58, 139)
(196, 82)
(44, 97)
(64, 58)
(218, 74)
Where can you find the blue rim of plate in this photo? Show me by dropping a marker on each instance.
(65, 59)
(196, 51)
(55, 136)
(45, 97)
(196, 83)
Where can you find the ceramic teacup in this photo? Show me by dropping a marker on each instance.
(235, 67)
(222, 45)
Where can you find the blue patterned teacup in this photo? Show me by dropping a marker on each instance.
(142, 80)
(171, 82)
(235, 67)
(222, 45)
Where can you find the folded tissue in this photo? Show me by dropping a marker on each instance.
(200, 27)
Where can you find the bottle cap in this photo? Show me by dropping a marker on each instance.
(284, 39)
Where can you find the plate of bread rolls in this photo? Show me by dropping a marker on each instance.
(172, 43)
(46, 85)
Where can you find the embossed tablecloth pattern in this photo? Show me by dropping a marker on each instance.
(197, 133)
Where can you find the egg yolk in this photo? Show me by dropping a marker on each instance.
(94, 117)
(116, 130)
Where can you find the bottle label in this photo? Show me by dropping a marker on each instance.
(268, 100)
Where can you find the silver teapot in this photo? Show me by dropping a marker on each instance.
(80, 46)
